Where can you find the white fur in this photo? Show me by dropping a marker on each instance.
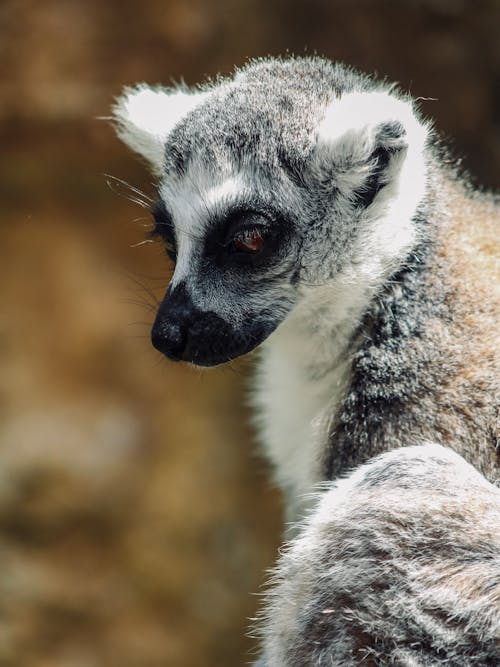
(350, 123)
(146, 115)
(302, 377)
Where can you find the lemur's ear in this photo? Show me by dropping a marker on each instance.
(364, 142)
(145, 116)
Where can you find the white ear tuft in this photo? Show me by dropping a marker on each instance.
(353, 121)
(146, 115)
(357, 125)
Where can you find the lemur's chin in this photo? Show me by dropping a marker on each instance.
(213, 362)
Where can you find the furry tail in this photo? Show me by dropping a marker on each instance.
(399, 564)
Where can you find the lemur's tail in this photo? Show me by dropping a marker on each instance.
(398, 564)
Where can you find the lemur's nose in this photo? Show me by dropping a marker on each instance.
(169, 338)
(170, 329)
(184, 332)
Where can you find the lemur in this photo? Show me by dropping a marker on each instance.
(312, 212)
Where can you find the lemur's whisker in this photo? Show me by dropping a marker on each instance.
(143, 242)
(119, 181)
(154, 300)
(152, 308)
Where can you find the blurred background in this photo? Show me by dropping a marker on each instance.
(136, 518)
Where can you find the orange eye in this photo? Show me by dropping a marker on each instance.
(249, 240)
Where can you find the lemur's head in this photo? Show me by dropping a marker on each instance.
(292, 176)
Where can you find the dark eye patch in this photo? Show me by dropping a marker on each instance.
(163, 228)
(240, 221)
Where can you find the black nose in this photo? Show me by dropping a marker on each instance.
(168, 337)
(170, 329)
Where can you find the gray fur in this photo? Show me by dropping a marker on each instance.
(398, 565)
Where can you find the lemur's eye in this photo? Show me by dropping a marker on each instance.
(249, 240)
(243, 237)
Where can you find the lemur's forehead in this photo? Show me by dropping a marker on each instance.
(243, 125)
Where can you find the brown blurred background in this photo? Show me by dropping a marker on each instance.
(136, 519)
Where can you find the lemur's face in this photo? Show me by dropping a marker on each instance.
(236, 253)
(271, 185)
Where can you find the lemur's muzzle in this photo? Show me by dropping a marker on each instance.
(183, 332)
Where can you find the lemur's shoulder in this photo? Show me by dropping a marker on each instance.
(469, 251)
(469, 239)
(428, 366)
